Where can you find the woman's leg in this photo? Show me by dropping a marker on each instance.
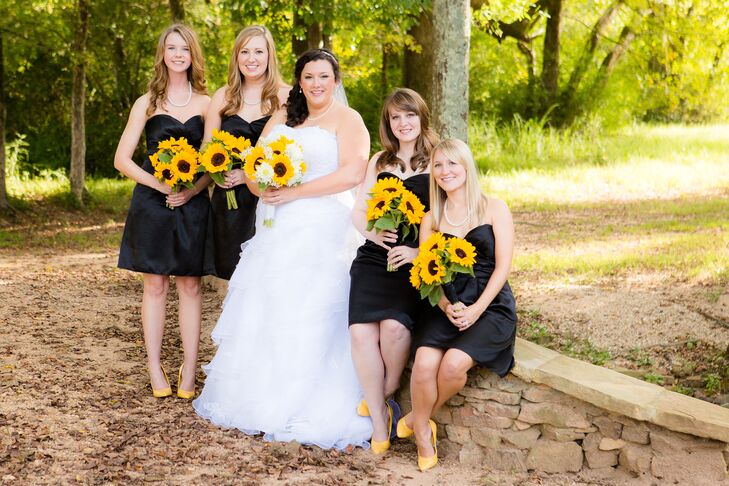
(424, 395)
(395, 347)
(452, 375)
(190, 294)
(154, 299)
(371, 374)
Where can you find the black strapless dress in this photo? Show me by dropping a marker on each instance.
(376, 294)
(229, 229)
(157, 239)
(490, 341)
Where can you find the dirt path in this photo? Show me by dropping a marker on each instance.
(75, 407)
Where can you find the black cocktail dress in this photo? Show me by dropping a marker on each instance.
(490, 341)
(157, 239)
(376, 294)
(230, 228)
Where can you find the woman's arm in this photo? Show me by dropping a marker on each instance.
(503, 227)
(359, 211)
(354, 145)
(128, 142)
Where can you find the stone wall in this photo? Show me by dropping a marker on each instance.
(515, 424)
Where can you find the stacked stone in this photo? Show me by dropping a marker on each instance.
(509, 424)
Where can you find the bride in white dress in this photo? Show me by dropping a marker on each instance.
(283, 365)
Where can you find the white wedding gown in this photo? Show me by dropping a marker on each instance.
(283, 366)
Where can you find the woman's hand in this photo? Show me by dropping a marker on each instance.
(234, 177)
(276, 197)
(463, 316)
(163, 188)
(177, 199)
(384, 238)
(401, 255)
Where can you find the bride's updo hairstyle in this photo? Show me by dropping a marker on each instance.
(296, 108)
(457, 151)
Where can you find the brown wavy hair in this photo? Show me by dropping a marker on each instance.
(195, 73)
(406, 99)
(236, 80)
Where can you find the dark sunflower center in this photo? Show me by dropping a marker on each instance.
(409, 207)
(433, 268)
(218, 159)
(280, 169)
(235, 150)
(390, 189)
(257, 162)
(380, 205)
(183, 166)
(167, 174)
(460, 253)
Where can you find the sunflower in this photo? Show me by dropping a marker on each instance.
(167, 174)
(431, 270)
(155, 160)
(436, 241)
(415, 279)
(185, 164)
(175, 144)
(253, 160)
(411, 207)
(279, 146)
(237, 145)
(462, 252)
(215, 158)
(376, 207)
(391, 187)
(282, 169)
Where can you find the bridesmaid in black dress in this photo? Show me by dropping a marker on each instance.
(158, 241)
(479, 327)
(242, 108)
(383, 306)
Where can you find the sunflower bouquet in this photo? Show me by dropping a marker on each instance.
(222, 153)
(175, 163)
(439, 260)
(275, 163)
(392, 207)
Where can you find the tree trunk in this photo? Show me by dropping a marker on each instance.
(78, 95)
(177, 8)
(419, 67)
(550, 59)
(313, 33)
(4, 204)
(452, 41)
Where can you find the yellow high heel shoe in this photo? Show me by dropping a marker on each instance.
(180, 392)
(381, 446)
(163, 392)
(362, 409)
(425, 463)
(403, 431)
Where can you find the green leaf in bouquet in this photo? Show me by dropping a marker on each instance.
(217, 177)
(164, 157)
(425, 290)
(385, 223)
(405, 231)
(458, 268)
(370, 224)
(434, 296)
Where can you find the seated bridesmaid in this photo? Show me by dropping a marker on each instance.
(383, 306)
(478, 329)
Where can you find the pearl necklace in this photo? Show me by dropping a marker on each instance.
(313, 118)
(455, 225)
(189, 97)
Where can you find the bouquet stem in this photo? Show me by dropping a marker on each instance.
(230, 196)
(391, 268)
(268, 212)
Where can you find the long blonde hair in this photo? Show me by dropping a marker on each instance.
(457, 151)
(406, 99)
(195, 73)
(236, 80)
